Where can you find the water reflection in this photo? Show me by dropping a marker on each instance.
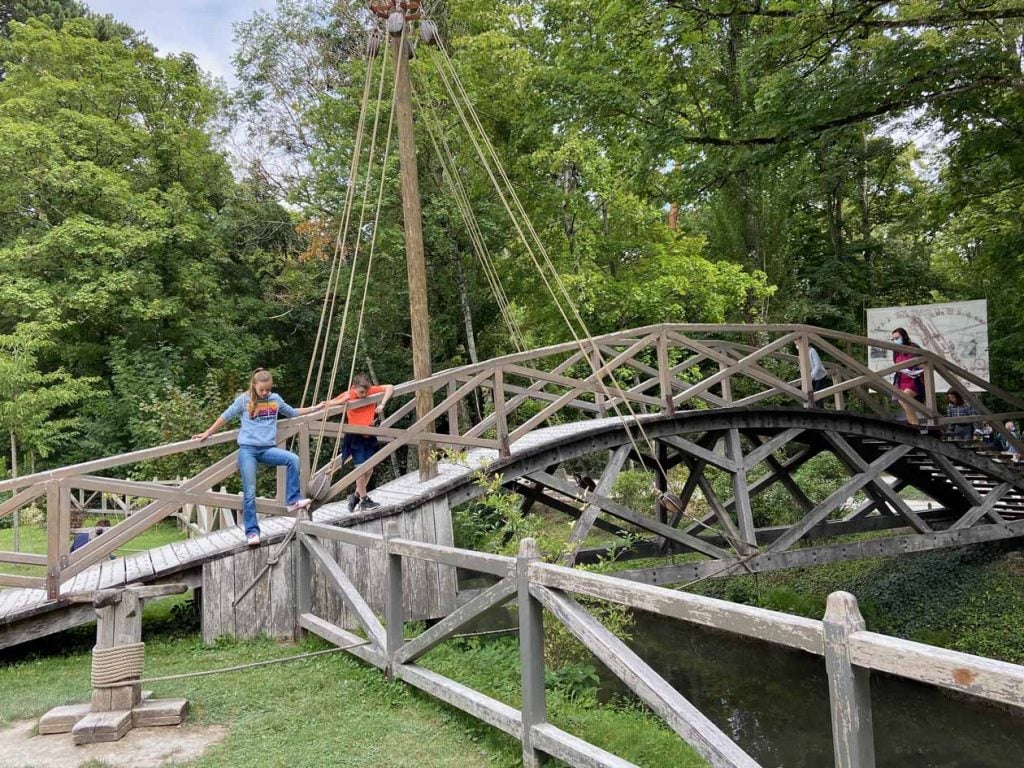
(774, 703)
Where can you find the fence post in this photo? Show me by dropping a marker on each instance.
(531, 652)
(303, 577)
(500, 416)
(929, 391)
(53, 543)
(668, 405)
(305, 465)
(803, 349)
(849, 687)
(394, 612)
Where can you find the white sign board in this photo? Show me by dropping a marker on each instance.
(958, 331)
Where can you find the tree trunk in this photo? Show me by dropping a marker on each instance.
(467, 313)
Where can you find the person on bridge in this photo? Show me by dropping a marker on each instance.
(361, 447)
(909, 379)
(819, 375)
(258, 410)
(85, 537)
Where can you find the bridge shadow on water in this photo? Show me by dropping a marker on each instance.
(774, 703)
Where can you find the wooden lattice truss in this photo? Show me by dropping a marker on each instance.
(969, 498)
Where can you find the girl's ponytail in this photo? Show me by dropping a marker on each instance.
(259, 376)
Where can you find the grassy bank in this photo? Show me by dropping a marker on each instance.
(969, 599)
(330, 710)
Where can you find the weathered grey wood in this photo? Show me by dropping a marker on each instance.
(581, 528)
(492, 596)
(767, 448)
(852, 459)
(771, 626)
(975, 513)
(210, 617)
(721, 513)
(394, 611)
(152, 513)
(341, 583)
(481, 562)
(531, 652)
(691, 448)
(244, 602)
(447, 576)
(624, 513)
(480, 706)
(849, 686)
(740, 494)
(573, 750)
(988, 678)
(119, 623)
(102, 726)
(671, 706)
(837, 497)
(831, 553)
(347, 535)
(283, 595)
(262, 608)
(62, 719)
(153, 712)
(354, 644)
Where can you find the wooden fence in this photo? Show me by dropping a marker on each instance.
(656, 369)
(542, 591)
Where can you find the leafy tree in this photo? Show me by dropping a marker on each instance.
(117, 205)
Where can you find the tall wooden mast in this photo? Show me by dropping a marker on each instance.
(398, 15)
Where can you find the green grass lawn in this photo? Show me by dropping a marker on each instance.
(33, 539)
(330, 710)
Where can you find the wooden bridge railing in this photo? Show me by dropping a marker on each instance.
(541, 590)
(657, 369)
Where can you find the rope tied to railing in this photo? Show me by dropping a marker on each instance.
(117, 665)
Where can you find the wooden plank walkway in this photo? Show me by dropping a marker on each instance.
(163, 563)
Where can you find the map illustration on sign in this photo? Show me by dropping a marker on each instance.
(958, 331)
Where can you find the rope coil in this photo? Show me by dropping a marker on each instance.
(118, 665)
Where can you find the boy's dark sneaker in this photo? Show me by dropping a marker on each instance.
(353, 502)
(368, 503)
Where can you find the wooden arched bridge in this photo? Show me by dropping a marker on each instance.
(731, 404)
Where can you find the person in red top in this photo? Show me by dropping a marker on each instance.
(908, 380)
(361, 447)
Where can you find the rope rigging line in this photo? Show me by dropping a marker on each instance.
(330, 296)
(447, 159)
(449, 76)
(460, 100)
(330, 466)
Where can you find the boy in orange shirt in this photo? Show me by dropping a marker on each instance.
(361, 447)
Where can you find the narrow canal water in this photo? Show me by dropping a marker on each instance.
(774, 703)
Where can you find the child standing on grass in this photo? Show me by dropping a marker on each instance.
(361, 447)
(258, 410)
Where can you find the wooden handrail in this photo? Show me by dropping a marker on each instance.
(850, 652)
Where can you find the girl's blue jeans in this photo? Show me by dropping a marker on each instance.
(248, 458)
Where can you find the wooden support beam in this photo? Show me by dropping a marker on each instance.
(832, 553)
(348, 592)
(581, 528)
(625, 513)
(840, 495)
(851, 458)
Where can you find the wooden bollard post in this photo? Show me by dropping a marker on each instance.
(118, 703)
(849, 687)
(118, 626)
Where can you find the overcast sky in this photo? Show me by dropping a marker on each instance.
(201, 27)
